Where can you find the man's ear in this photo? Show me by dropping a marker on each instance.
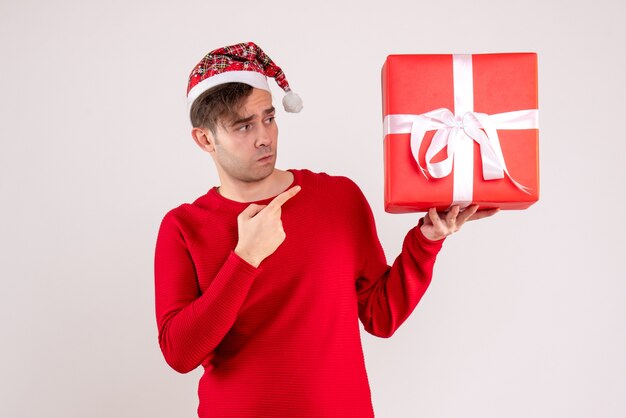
(204, 138)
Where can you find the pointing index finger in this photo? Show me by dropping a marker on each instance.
(283, 197)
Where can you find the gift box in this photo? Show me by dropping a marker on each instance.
(460, 129)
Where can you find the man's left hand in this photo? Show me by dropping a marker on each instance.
(438, 226)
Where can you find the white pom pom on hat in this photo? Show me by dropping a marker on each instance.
(244, 63)
(292, 102)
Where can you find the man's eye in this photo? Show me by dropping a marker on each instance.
(244, 128)
(270, 119)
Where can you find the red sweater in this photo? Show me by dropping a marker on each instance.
(283, 340)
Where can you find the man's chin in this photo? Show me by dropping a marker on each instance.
(259, 174)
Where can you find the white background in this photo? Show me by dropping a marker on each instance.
(526, 314)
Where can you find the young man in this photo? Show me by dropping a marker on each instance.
(263, 279)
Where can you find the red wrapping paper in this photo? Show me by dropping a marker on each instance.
(416, 84)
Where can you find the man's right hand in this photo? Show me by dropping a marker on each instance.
(261, 229)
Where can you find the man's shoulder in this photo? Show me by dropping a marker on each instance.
(324, 180)
(193, 212)
(338, 195)
(177, 216)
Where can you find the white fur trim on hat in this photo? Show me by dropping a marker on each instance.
(251, 78)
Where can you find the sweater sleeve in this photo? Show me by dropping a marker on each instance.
(387, 295)
(191, 324)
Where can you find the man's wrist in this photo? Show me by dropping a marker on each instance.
(248, 258)
(430, 237)
(425, 236)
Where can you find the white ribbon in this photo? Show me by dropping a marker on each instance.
(457, 133)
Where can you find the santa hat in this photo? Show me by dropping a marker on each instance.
(243, 63)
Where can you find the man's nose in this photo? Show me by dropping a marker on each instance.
(263, 137)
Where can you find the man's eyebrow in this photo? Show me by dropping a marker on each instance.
(242, 120)
(251, 117)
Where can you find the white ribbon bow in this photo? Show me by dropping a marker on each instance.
(472, 126)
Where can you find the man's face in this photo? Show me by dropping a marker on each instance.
(245, 148)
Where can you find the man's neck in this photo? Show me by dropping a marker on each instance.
(272, 185)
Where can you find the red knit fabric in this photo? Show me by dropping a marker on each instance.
(283, 340)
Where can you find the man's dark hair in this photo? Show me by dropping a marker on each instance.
(218, 104)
